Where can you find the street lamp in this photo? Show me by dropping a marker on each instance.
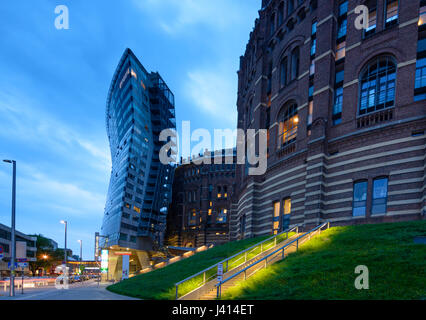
(13, 249)
(65, 249)
(81, 252)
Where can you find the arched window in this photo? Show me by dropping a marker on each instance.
(290, 7)
(272, 24)
(288, 124)
(295, 59)
(281, 14)
(377, 83)
(283, 72)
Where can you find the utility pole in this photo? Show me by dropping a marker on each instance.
(13, 241)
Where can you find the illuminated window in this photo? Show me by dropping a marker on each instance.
(341, 50)
(133, 73)
(127, 205)
(288, 124)
(276, 218)
(377, 85)
(391, 12)
(222, 216)
(210, 212)
(422, 16)
(310, 116)
(138, 210)
(360, 199)
(219, 192)
(372, 18)
(380, 196)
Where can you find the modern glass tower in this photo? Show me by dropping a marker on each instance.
(139, 107)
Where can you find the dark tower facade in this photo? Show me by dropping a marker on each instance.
(139, 107)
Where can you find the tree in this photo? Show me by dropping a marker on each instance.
(45, 254)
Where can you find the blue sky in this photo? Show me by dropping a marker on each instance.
(54, 83)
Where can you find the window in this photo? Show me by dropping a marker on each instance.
(342, 27)
(313, 47)
(312, 68)
(338, 97)
(221, 217)
(380, 196)
(269, 85)
(286, 215)
(377, 85)
(337, 107)
(360, 199)
(192, 218)
(272, 25)
(310, 117)
(138, 210)
(288, 124)
(242, 225)
(372, 18)
(283, 72)
(343, 8)
(340, 50)
(281, 14)
(295, 63)
(276, 217)
(290, 7)
(225, 192)
(391, 16)
(420, 73)
(422, 15)
(311, 90)
(314, 28)
(219, 192)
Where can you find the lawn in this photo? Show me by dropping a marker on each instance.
(160, 284)
(324, 268)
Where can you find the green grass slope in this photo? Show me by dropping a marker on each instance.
(160, 283)
(324, 268)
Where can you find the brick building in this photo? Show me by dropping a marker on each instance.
(199, 212)
(345, 111)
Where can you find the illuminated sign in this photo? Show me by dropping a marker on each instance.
(122, 253)
(104, 261)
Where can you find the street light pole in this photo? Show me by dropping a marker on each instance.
(13, 241)
(65, 249)
(81, 252)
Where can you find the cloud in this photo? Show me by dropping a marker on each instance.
(174, 16)
(214, 93)
(31, 124)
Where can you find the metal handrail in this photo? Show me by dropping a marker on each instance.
(252, 248)
(319, 227)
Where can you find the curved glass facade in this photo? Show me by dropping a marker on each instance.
(139, 107)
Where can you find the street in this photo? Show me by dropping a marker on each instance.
(89, 290)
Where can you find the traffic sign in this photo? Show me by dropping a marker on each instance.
(22, 260)
(9, 264)
(22, 264)
(219, 272)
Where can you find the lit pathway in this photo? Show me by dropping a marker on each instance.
(89, 290)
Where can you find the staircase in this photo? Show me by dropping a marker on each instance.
(238, 274)
(274, 255)
(233, 266)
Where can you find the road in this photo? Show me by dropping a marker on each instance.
(89, 290)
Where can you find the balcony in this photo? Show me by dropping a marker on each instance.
(375, 118)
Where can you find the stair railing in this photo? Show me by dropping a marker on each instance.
(263, 263)
(210, 273)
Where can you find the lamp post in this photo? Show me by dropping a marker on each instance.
(65, 249)
(81, 252)
(13, 243)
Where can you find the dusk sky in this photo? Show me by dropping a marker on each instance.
(54, 84)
